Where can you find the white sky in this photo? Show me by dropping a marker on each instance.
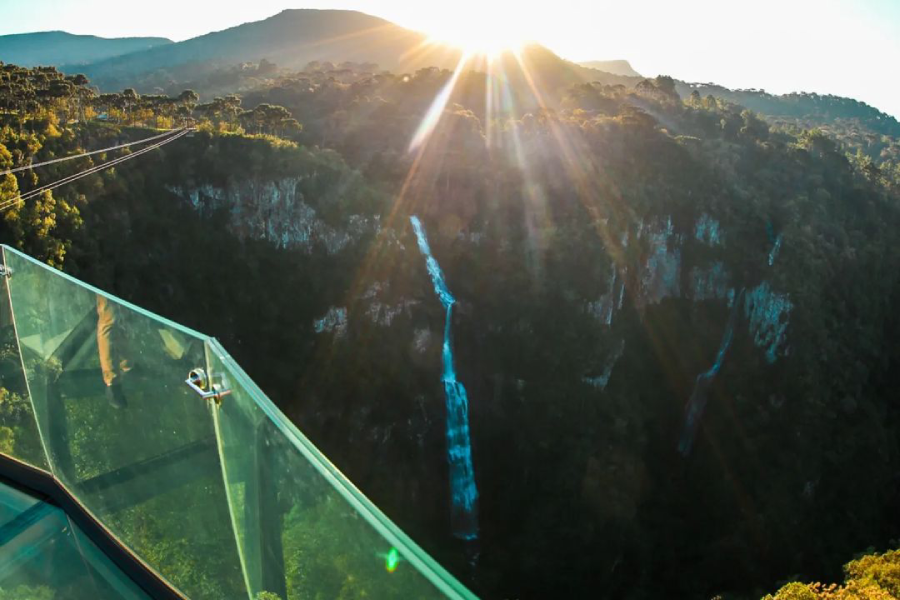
(845, 47)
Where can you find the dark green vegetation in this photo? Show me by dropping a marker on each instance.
(253, 238)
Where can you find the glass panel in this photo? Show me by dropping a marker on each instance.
(44, 557)
(150, 458)
(303, 530)
(123, 432)
(19, 436)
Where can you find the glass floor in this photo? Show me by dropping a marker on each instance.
(161, 438)
(44, 556)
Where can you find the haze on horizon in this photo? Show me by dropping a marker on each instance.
(842, 47)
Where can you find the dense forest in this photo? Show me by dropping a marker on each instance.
(675, 317)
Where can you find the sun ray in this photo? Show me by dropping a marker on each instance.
(371, 33)
(488, 104)
(436, 110)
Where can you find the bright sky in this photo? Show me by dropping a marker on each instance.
(845, 47)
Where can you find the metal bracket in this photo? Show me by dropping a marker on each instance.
(200, 382)
(5, 271)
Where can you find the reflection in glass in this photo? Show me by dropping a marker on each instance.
(301, 534)
(19, 436)
(123, 433)
(43, 556)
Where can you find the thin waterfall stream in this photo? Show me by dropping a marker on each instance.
(464, 493)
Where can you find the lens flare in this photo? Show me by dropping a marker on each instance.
(430, 121)
(392, 560)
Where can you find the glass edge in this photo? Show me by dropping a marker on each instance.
(229, 499)
(15, 325)
(89, 287)
(426, 565)
(41, 470)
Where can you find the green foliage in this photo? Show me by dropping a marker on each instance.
(18, 432)
(328, 556)
(26, 592)
(872, 577)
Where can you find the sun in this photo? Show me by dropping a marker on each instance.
(474, 43)
(489, 29)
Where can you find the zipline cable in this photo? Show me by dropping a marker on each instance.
(73, 157)
(91, 171)
(53, 185)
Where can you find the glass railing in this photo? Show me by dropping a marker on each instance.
(161, 437)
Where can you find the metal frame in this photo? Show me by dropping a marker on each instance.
(45, 487)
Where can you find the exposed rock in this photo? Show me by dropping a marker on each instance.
(708, 231)
(334, 321)
(768, 313)
(275, 211)
(710, 283)
(661, 273)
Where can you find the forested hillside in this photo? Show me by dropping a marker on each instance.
(675, 322)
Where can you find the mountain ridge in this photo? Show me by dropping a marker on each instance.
(58, 47)
(616, 67)
(291, 38)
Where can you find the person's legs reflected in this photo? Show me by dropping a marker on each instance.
(111, 348)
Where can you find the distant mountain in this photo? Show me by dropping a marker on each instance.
(58, 48)
(294, 38)
(552, 74)
(616, 67)
(291, 39)
(217, 63)
(803, 110)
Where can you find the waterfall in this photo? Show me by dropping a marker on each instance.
(776, 246)
(697, 402)
(775, 240)
(464, 494)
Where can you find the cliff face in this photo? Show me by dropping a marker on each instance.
(277, 212)
(659, 274)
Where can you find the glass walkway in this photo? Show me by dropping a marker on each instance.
(138, 460)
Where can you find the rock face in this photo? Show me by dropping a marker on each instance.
(334, 321)
(711, 283)
(767, 312)
(707, 231)
(662, 267)
(762, 311)
(277, 212)
(661, 271)
(381, 312)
